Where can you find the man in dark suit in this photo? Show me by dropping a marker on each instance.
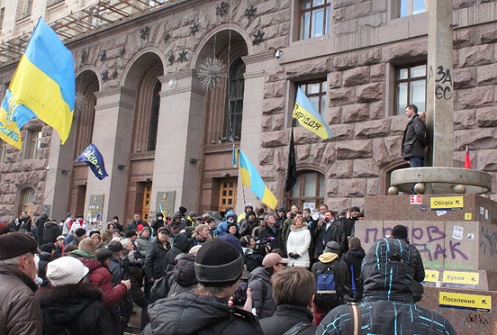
(328, 230)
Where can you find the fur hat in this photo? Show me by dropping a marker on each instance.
(66, 270)
(87, 245)
(80, 232)
(332, 246)
(399, 231)
(218, 263)
(16, 244)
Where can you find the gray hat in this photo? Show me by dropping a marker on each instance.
(332, 246)
(218, 263)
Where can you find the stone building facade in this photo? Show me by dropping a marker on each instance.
(167, 138)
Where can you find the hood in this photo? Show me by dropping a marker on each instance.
(232, 214)
(260, 272)
(384, 271)
(327, 257)
(65, 303)
(357, 252)
(176, 215)
(181, 242)
(184, 271)
(190, 314)
(50, 223)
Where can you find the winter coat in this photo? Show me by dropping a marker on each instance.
(223, 226)
(50, 232)
(100, 276)
(189, 313)
(143, 244)
(298, 242)
(180, 245)
(353, 258)
(20, 312)
(74, 309)
(414, 139)
(38, 228)
(331, 260)
(416, 270)
(183, 277)
(285, 317)
(45, 258)
(262, 292)
(271, 235)
(155, 260)
(387, 306)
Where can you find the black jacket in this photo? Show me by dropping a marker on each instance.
(353, 258)
(181, 245)
(183, 278)
(155, 260)
(45, 258)
(50, 232)
(414, 139)
(387, 306)
(74, 309)
(262, 292)
(189, 313)
(335, 232)
(285, 317)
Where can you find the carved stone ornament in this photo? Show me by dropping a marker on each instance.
(145, 32)
(222, 9)
(182, 56)
(194, 28)
(250, 12)
(258, 37)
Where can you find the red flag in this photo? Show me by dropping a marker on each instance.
(467, 160)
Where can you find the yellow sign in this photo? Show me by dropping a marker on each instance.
(447, 203)
(461, 278)
(431, 276)
(468, 216)
(465, 301)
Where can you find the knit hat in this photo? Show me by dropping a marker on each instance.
(115, 246)
(332, 246)
(60, 237)
(145, 228)
(399, 231)
(16, 244)
(192, 214)
(182, 209)
(4, 228)
(218, 263)
(115, 218)
(130, 233)
(116, 231)
(87, 245)
(355, 209)
(272, 259)
(80, 232)
(66, 270)
(47, 247)
(233, 240)
(103, 253)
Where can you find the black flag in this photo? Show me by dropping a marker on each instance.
(291, 170)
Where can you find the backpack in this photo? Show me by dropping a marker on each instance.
(326, 295)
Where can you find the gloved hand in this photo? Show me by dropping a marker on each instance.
(293, 255)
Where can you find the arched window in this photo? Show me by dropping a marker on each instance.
(233, 119)
(308, 191)
(27, 200)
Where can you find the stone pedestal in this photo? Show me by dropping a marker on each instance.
(456, 236)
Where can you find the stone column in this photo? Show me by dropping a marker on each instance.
(112, 134)
(440, 90)
(180, 139)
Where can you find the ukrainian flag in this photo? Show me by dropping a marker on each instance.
(309, 117)
(234, 156)
(9, 130)
(250, 177)
(43, 85)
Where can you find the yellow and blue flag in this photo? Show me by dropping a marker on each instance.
(92, 157)
(309, 117)
(250, 177)
(44, 83)
(234, 156)
(9, 130)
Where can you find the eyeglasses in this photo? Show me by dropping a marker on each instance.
(284, 264)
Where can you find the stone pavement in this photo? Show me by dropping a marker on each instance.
(134, 322)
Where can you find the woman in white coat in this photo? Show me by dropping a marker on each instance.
(298, 243)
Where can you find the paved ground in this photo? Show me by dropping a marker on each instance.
(134, 322)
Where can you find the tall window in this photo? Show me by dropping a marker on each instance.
(410, 87)
(309, 191)
(412, 7)
(233, 120)
(32, 144)
(27, 200)
(2, 15)
(314, 18)
(24, 9)
(316, 92)
(154, 117)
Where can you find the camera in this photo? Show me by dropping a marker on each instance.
(240, 295)
(260, 246)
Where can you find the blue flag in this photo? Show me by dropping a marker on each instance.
(94, 159)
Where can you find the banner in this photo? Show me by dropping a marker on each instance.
(92, 156)
(309, 117)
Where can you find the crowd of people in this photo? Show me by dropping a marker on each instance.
(288, 272)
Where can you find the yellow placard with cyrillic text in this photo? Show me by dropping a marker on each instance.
(465, 301)
(431, 276)
(461, 278)
(447, 203)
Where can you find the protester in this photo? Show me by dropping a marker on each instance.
(352, 259)
(218, 267)
(293, 291)
(298, 243)
(388, 306)
(20, 312)
(71, 305)
(183, 276)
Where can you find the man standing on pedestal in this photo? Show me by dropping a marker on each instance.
(414, 140)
